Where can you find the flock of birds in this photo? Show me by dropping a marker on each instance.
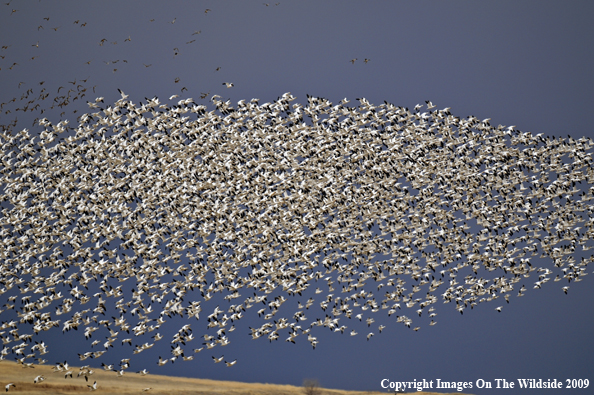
(25, 316)
(39, 99)
(145, 215)
(140, 214)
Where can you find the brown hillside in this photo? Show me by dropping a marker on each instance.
(133, 383)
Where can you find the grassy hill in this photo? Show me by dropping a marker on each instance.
(133, 383)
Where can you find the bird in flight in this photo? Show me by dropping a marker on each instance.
(228, 84)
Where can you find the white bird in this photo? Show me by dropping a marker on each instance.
(217, 360)
(93, 387)
(228, 84)
(7, 386)
(231, 363)
(162, 361)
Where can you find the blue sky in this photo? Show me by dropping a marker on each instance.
(523, 63)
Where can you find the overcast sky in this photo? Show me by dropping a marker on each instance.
(523, 63)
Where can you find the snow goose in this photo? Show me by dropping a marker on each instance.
(231, 363)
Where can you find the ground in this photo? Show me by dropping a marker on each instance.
(133, 383)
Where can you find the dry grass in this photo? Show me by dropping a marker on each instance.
(132, 383)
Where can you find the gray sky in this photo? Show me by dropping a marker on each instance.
(523, 63)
